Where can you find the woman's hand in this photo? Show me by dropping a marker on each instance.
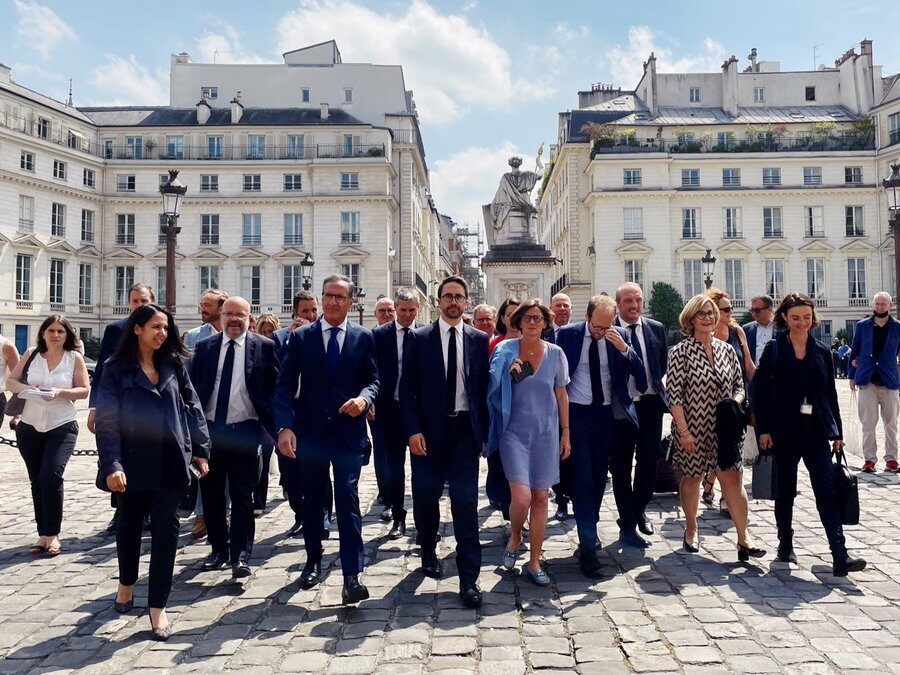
(687, 443)
(202, 465)
(116, 481)
(837, 446)
(565, 445)
(516, 366)
(765, 441)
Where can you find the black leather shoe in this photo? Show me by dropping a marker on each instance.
(562, 511)
(240, 570)
(162, 634)
(296, 530)
(398, 530)
(747, 552)
(632, 538)
(471, 597)
(147, 523)
(326, 533)
(843, 566)
(432, 567)
(590, 564)
(215, 561)
(353, 591)
(387, 515)
(786, 553)
(123, 607)
(113, 526)
(645, 527)
(311, 575)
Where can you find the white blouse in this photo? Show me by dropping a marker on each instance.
(47, 415)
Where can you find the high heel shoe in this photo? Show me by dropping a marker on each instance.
(747, 552)
(124, 607)
(162, 634)
(689, 547)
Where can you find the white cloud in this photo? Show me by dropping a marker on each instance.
(566, 31)
(451, 64)
(226, 47)
(626, 63)
(40, 28)
(127, 82)
(466, 180)
(469, 5)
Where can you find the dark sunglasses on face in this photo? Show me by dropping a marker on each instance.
(727, 310)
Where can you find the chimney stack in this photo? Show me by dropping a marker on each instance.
(203, 111)
(323, 111)
(237, 108)
(5, 70)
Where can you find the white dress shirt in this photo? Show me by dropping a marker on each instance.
(763, 336)
(44, 415)
(240, 408)
(462, 401)
(639, 332)
(400, 335)
(579, 388)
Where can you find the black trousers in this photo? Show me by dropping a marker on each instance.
(388, 428)
(292, 482)
(453, 459)
(562, 491)
(591, 434)
(46, 455)
(162, 505)
(379, 455)
(632, 443)
(496, 485)
(234, 455)
(261, 491)
(813, 448)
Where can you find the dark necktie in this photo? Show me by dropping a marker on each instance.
(224, 393)
(451, 372)
(403, 345)
(635, 343)
(596, 377)
(333, 353)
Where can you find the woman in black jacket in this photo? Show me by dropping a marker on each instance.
(797, 415)
(150, 428)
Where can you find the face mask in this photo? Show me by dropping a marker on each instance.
(880, 315)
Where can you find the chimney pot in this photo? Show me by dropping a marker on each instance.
(323, 111)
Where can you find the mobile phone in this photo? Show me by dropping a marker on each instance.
(195, 472)
(523, 373)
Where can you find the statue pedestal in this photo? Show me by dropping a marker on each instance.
(521, 271)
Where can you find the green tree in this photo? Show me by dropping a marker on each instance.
(665, 305)
(92, 348)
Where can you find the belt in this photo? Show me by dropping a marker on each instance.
(458, 413)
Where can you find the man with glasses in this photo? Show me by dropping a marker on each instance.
(234, 374)
(762, 328)
(384, 311)
(484, 318)
(332, 364)
(600, 363)
(443, 403)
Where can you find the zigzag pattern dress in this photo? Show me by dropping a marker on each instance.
(696, 385)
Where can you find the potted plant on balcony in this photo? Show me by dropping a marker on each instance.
(823, 132)
(149, 146)
(375, 152)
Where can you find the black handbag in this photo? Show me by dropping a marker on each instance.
(764, 479)
(846, 489)
(16, 405)
(667, 474)
(731, 425)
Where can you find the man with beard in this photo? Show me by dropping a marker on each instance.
(210, 314)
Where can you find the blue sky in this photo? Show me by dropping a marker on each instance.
(488, 80)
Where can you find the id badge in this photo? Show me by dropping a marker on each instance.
(805, 408)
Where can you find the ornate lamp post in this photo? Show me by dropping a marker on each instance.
(360, 305)
(891, 186)
(172, 192)
(709, 263)
(306, 268)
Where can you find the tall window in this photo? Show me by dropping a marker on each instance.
(250, 283)
(124, 279)
(161, 231)
(771, 176)
(304, 95)
(125, 229)
(43, 128)
(690, 177)
(856, 278)
(695, 94)
(26, 213)
(634, 223)
(134, 147)
(209, 182)
(351, 270)
(772, 222)
(209, 276)
(853, 215)
(631, 177)
(775, 278)
(295, 146)
(810, 93)
(57, 220)
(734, 279)
(293, 182)
(85, 284)
(89, 178)
(214, 147)
(690, 224)
(349, 180)
(731, 177)
(26, 161)
(87, 226)
(209, 229)
(725, 140)
(759, 94)
(348, 95)
(853, 175)
(349, 227)
(252, 182)
(815, 278)
(732, 223)
(293, 229)
(349, 145)
(893, 128)
(291, 283)
(251, 233)
(161, 285)
(257, 149)
(57, 274)
(59, 169)
(125, 182)
(23, 277)
(815, 221)
(812, 175)
(634, 272)
(693, 283)
(175, 147)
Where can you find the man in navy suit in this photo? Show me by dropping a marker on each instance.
(332, 362)
(600, 362)
(387, 429)
(443, 402)
(305, 311)
(762, 329)
(641, 443)
(234, 374)
(139, 294)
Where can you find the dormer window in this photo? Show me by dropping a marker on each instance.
(810, 93)
(304, 95)
(211, 93)
(348, 95)
(695, 94)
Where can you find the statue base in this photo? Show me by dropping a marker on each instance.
(520, 271)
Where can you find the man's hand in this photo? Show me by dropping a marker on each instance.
(417, 445)
(202, 465)
(370, 414)
(354, 407)
(298, 323)
(765, 441)
(116, 481)
(613, 336)
(852, 384)
(287, 443)
(92, 419)
(837, 446)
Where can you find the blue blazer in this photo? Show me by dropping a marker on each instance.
(313, 413)
(260, 371)
(424, 381)
(108, 345)
(500, 392)
(136, 420)
(657, 355)
(571, 339)
(861, 351)
(280, 337)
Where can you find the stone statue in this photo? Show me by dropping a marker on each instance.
(511, 218)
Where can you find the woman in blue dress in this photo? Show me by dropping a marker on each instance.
(529, 414)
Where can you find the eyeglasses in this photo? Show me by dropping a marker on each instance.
(331, 297)
(727, 310)
(458, 299)
(533, 318)
(232, 315)
(707, 314)
(598, 329)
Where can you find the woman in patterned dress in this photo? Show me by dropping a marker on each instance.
(702, 371)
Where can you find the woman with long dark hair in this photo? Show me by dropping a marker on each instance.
(150, 431)
(55, 376)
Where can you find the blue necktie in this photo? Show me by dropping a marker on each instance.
(224, 393)
(333, 353)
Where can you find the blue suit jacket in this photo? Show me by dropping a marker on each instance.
(194, 335)
(657, 354)
(387, 359)
(861, 351)
(313, 413)
(750, 331)
(280, 337)
(260, 372)
(424, 381)
(108, 346)
(571, 339)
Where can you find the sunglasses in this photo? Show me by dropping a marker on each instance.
(727, 310)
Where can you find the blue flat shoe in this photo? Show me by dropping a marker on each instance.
(539, 578)
(509, 559)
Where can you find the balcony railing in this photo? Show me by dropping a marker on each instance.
(57, 307)
(254, 310)
(338, 150)
(293, 239)
(402, 279)
(121, 309)
(87, 309)
(859, 302)
(26, 225)
(242, 152)
(61, 137)
(784, 143)
(251, 240)
(24, 304)
(894, 137)
(287, 309)
(559, 284)
(349, 237)
(421, 285)
(820, 302)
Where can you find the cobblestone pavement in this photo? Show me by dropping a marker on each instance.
(656, 611)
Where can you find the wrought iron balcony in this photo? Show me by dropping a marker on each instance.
(784, 143)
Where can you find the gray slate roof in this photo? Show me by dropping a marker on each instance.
(179, 117)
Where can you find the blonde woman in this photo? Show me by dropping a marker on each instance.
(267, 324)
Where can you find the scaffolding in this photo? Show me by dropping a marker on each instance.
(471, 244)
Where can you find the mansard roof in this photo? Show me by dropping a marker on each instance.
(164, 116)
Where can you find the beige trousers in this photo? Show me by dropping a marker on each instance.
(874, 399)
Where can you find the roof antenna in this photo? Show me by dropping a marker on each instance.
(815, 55)
(69, 103)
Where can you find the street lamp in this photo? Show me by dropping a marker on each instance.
(892, 183)
(172, 192)
(360, 296)
(306, 268)
(709, 263)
